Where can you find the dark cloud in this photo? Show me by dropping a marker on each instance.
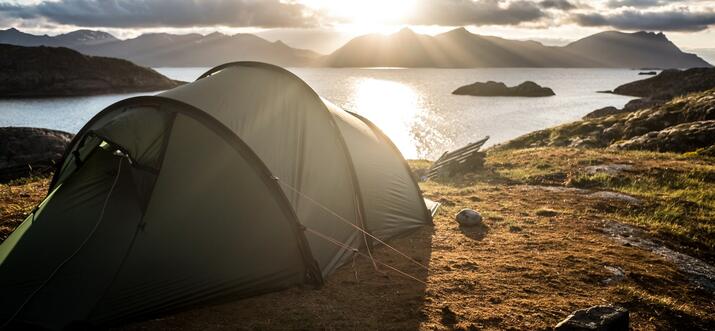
(564, 5)
(681, 20)
(468, 12)
(639, 3)
(173, 13)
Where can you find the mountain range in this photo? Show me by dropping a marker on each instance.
(457, 48)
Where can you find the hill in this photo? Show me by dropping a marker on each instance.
(195, 50)
(170, 50)
(58, 71)
(76, 38)
(461, 49)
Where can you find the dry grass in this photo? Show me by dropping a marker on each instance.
(17, 199)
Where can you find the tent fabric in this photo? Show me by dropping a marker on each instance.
(202, 194)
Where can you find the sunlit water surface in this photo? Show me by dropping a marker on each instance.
(414, 107)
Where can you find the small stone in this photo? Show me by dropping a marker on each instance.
(468, 217)
(597, 318)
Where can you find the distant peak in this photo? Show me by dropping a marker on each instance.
(461, 31)
(12, 29)
(215, 34)
(651, 35)
(405, 30)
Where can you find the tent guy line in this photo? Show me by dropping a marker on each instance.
(349, 223)
(358, 252)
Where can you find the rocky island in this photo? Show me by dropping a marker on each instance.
(57, 71)
(498, 89)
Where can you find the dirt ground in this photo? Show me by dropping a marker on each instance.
(542, 254)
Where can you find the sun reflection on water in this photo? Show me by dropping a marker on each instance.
(393, 107)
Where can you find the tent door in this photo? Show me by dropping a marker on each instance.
(79, 239)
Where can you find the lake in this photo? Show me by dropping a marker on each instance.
(414, 107)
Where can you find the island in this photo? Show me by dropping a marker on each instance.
(28, 72)
(498, 89)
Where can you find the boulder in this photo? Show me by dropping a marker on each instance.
(492, 89)
(638, 104)
(601, 112)
(597, 318)
(680, 138)
(30, 151)
(468, 217)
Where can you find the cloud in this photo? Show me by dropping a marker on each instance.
(678, 20)
(166, 13)
(564, 5)
(468, 12)
(639, 3)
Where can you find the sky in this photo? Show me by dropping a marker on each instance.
(324, 25)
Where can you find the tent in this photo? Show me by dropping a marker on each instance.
(237, 184)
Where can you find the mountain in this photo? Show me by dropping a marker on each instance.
(639, 49)
(170, 50)
(461, 49)
(453, 49)
(195, 50)
(57, 71)
(76, 38)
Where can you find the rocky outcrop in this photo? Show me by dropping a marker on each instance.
(682, 124)
(605, 111)
(631, 106)
(657, 90)
(680, 138)
(494, 89)
(670, 83)
(58, 71)
(30, 151)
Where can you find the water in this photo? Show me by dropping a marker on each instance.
(414, 107)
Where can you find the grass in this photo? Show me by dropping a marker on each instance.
(17, 199)
(678, 190)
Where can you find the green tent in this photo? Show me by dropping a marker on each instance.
(223, 188)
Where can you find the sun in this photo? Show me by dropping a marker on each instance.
(376, 15)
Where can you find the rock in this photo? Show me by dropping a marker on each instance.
(57, 71)
(670, 83)
(647, 73)
(618, 274)
(681, 138)
(600, 318)
(638, 104)
(491, 88)
(468, 217)
(616, 196)
(605, 111)
(30, 151)
(611, 169)
(682, 124)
